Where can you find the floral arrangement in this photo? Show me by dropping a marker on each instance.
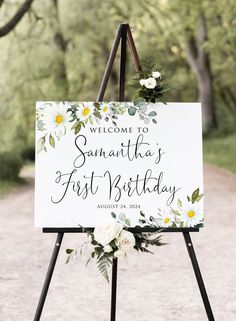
(111, 240)
(150, 84)
(55, 119)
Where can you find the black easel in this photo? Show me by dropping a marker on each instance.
(124, 34)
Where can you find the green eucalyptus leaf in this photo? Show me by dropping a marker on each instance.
(143, 108)
(96, 105)
(199, 197)
(176, 212)
(142, 213)
(52, 141)
(127, 221)
(40, 144)
(40, 125)
(132, 111)
(152, 114)
(97, 114)
(121, 217)
(77, 128)
(91, 120)
(147, 121)
(113, 214)
(195, 195)
(75, 124)
(179, 203)
(139, 102)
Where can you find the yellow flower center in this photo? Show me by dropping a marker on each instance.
(191, 214)
(105, 109)
(166, 220)
(86, 111)
(59, 119)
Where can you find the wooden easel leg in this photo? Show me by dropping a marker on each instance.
(109, 65)
(123, 59)
(48, 277)
(113, 289)
(198, 275)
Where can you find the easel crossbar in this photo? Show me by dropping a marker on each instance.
(131, 229)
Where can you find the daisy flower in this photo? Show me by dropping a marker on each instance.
(166, 218)
(85, 110)
(56, 117)
(105, 109)
(191, 215)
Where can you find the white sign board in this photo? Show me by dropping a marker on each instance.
(97, 158)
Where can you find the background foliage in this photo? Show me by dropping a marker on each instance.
(59, 49)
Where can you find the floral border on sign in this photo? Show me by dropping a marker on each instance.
(54, 119)
(184, 214)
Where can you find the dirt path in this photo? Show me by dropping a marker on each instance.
(158, 287)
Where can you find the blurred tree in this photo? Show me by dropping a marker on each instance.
(11, 24)
(59, 64)
(200, 62)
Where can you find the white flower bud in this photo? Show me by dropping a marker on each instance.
(142, 82)
(156, 74)
(107, 249)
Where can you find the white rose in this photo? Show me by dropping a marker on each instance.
(107, 249)
(150, 83)
(156, 74)
(119, 253)
(142, 82)
(106, 231)
(125, 241)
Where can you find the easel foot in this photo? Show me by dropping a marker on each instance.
(48, 277)
(198, 275)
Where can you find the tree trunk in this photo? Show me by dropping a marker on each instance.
(59, 63)
(199, 62)
(206, 97)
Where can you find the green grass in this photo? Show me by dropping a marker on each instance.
(221, 151)
(10, 185)
(7, 186)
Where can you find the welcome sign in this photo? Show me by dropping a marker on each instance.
(96, 158)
